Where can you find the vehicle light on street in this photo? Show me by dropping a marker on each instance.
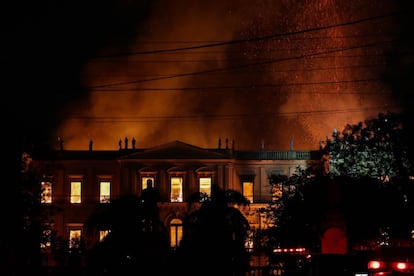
(375, 265)
(400, 266)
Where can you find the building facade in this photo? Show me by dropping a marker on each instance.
(78, 182)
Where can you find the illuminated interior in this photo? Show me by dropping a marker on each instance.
(104, 191)
(205, 185)
(176, 232)
(248, 190)
(46, 240)
(46, 196)
(75, 191)
(74, 238)
(103, 234)
(176, 189)
(144, 181)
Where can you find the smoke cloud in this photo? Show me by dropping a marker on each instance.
(282, 70)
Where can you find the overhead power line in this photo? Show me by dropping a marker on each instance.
(232, 58)
(221, 69)
(278, 70)
(252, 86)
(254, 116)
(258, 38)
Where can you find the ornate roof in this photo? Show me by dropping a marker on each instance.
(179, 150)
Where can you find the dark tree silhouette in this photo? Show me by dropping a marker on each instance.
(371, 162)
(214, 236)
(137, 243)
(298, 206)
(363, 176)
(29, 219)
(376, 148)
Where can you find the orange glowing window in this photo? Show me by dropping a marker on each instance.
(103, 234)
(75, 191)
(145, 180)
(176, 232)
(46, 196)
(104, 191)
(46, 238)
(74, 238)
(205, 185)
(176, 189)
(248, 190)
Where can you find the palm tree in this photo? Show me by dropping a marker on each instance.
(137, 241)
(214, 235)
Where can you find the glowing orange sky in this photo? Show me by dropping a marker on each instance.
(303, 86)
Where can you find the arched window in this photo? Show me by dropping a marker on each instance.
(176, 232)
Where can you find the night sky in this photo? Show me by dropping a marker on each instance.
(195, 71)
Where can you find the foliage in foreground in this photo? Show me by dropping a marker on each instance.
(216, 227)
(363, 177)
